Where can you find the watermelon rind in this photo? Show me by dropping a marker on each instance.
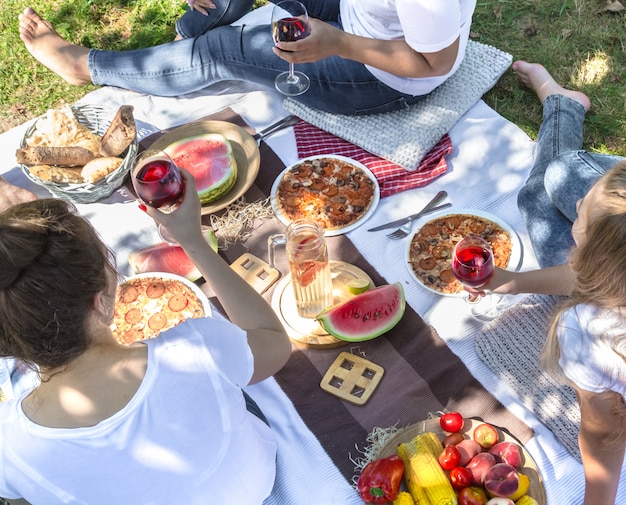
(367, 315)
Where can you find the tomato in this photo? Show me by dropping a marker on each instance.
(460, 477)
(449, 458)
(472, 496)
(451, 422)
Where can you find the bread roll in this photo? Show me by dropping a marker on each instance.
(98, 168)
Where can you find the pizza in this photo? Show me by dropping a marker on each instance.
(430, 251)
(146, 306)
(331, 191)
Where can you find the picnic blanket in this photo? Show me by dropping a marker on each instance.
(511, 345)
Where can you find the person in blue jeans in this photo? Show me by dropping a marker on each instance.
(574, 206)
(361, 56)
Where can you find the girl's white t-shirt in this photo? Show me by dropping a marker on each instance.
(184, 437)
(427, 26)
(589, 353)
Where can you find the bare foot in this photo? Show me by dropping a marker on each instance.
(67, 60)
(537, 78)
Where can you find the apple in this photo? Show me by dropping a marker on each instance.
(472, 496)
(501, 479)
(508, 452)
(479, 465)
(499, 500)
(468, 449)
(486, 435)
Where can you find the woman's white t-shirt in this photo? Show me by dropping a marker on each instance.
(589, 354)
(184, 437)
(427, 26)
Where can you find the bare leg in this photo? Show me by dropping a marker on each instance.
(537, 78)
(67, 60)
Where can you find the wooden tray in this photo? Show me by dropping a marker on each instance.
(308, 332)
(530, 468)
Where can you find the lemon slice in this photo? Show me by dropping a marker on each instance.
(356, 286)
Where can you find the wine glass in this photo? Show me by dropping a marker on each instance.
(157, 180)
(290, 22)
(472, 263)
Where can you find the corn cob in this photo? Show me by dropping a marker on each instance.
(526, 500)
(404, 498)
(426, 480)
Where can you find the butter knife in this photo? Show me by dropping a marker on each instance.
(430, 207)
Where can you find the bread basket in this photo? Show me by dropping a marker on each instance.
(97, 119)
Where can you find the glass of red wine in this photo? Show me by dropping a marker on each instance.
(290, 22)
(157, 180)
(472, 262)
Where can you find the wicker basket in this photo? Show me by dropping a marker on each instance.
(97, 119)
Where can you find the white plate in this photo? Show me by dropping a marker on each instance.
(515, 261)
(338, 231)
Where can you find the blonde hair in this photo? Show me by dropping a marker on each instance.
(599, 267)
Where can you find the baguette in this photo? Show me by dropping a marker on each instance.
(65, 156)
(121, 132)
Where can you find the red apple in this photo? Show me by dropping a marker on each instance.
(508, 452)
(499, 500)
(486, 435)
(479, 465)
(468, 449)
(502, 479)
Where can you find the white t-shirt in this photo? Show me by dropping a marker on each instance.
(184, 438)
(589, 356)
(427, 26)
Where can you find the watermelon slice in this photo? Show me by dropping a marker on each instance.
(168, 258)
(210, 159)
(367, 315)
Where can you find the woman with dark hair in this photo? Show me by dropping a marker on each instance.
(160, 421)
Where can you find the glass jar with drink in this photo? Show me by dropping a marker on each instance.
(307, 257)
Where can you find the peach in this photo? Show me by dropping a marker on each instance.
(501, 479)
(479, 465)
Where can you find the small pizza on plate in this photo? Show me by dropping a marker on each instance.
(147, 305)
(334, 191)
(430, 249)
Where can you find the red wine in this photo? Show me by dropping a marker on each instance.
(473, 265)
(290, 30)
(157, 184)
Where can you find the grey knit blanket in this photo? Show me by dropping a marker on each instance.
(511, 346)
(406, 136)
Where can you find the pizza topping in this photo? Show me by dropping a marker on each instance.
(133, 316)
(177, 303)
(128, 294)
(155, 290)
(157, 321)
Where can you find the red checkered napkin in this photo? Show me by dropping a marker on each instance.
(392, 178)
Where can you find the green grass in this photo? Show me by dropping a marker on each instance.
(579, 42)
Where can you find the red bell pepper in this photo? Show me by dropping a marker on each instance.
(380, 480)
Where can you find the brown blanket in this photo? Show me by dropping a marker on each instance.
(422, 375)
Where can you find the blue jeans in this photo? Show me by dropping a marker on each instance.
(224, 52)
(561, 175)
